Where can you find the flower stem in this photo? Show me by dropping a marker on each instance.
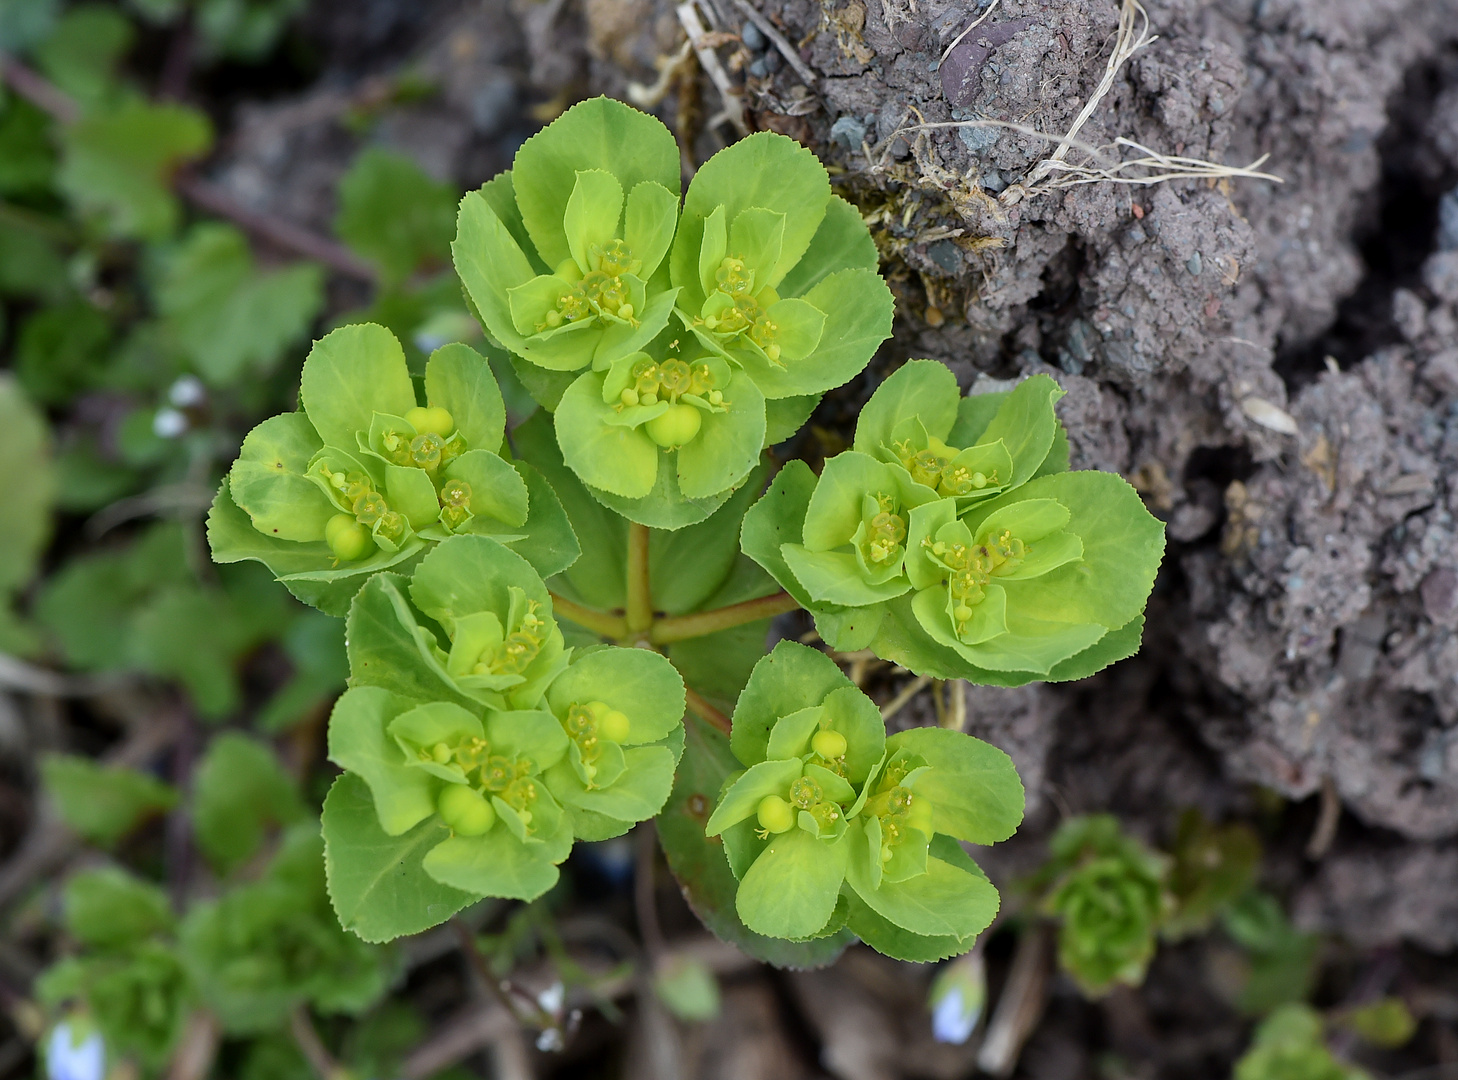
(610, 626)
(682, 627)
(640, 597)
(705, 711)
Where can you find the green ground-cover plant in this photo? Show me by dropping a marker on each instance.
(1290, 1045)
(492, 578)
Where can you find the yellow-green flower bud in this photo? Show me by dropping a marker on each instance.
(828, 744)
(347, 538)
(676, 426)
(465, 810)
(775, 815)
(431, 419)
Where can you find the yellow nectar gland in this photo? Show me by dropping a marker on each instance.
(934, 470)
(614, 258)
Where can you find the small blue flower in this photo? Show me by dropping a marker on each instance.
(72, 1056)
(956, 999)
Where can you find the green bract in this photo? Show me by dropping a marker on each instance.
(774, 273)
(1110, 893)
(561, 255)
(365, 477)
(978, 558)
(833, 824)
(495, 742)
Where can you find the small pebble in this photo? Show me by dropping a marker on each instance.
(757, 69)
(753, 37)
(773, 60)
(1193, 266)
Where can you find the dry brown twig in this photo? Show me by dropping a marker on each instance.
(1103, 164)
(693, 26)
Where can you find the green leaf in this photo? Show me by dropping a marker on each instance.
(596, 134)
(81, 54)
(1122, 547)
(727, 446)
(60, 351)
(891, 940)
(688, 566)
(786, 416)
(718, 665)
(765, 170)
(109, 908)
(699, 863)
(351, 374)
(384, 649)
(619, 460)
(308, 570)
(229, 319)
(239, 792)
(789, 679)
(500, 195)
(30, 487)
(922, 389)
(102, 803)
(665, 507)
(497, 864)
(490, 262)
(268, 483)
(842, 242)
(597, 578)
(459, 380)
(550, 543)
(1026, 424)
(857, 306)
(641, 684)
(394, 215)
(973, 787)
(116, 164)
(791, 890)
(377, 884)
(777, 519)
(943, 902)
(27, 156)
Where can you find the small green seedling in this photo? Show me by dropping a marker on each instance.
(1110, 894)
(1291, 1043)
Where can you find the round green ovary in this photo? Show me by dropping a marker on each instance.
(465, 810)
(675, 427)
(347, 538)
(828, 744)
(612, 724)
(430, 419)
(775, 815)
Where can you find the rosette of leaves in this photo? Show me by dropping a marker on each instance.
(269, 946)
(1110, 894)
(364, 477)
(564, 256)
(685, 426)
(775, 274)
(621, 710)
(1036, 574)
(128, 977)
(473, 625)
(1290, 1044)
(831, 824)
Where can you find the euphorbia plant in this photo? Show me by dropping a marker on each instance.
(524, 635)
